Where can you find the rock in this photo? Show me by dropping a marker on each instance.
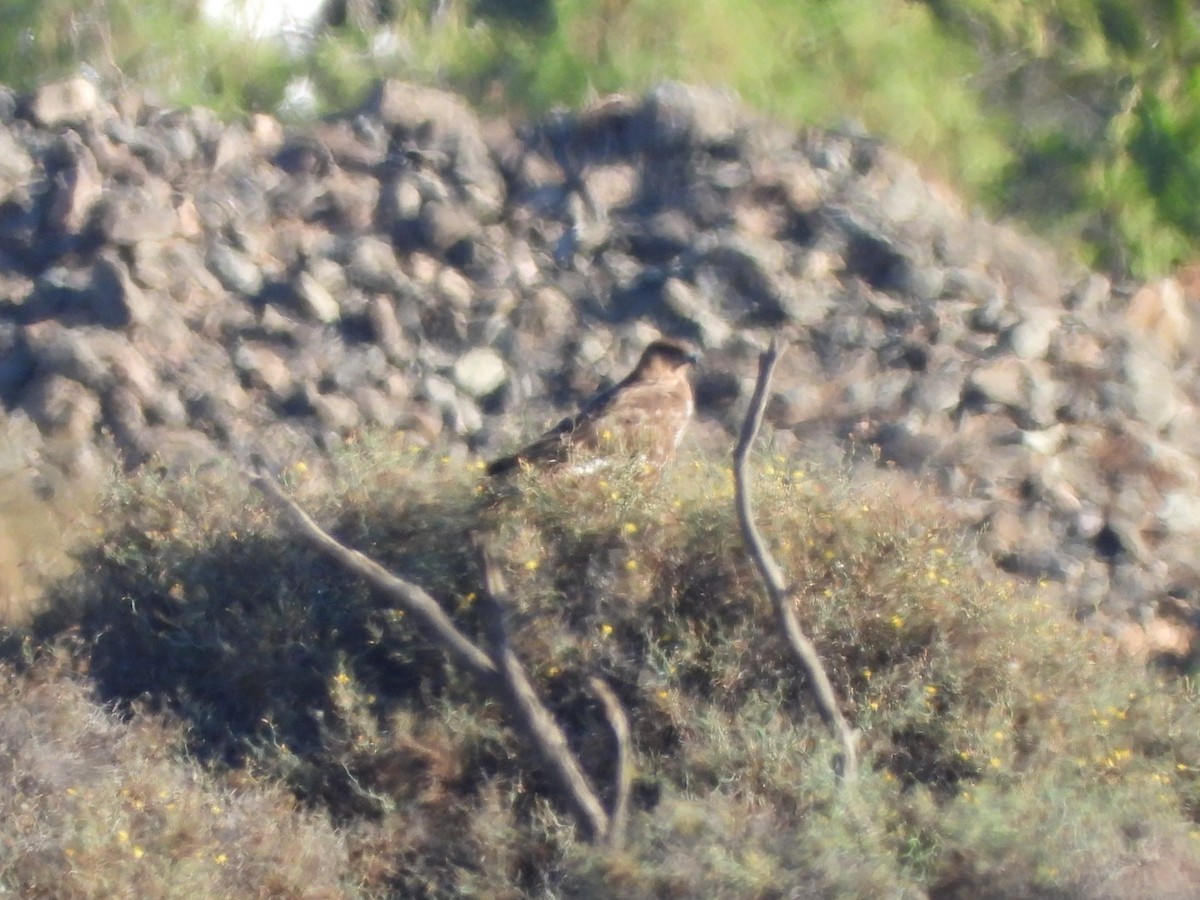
(263, 367)
(16, 362)
(114, 298)
(677, 115)
(66, 102)
(16, 165)
(686, 304)
(61, 407)
(480, 372)
(373, 267)
(78, 185)
(459, 414)
(314, 300)
(454, 288)
(1030, 338)
(447, 229)
(445, 125)
(386, 329)
(1149, 392)
(1005, 381)
(129, 216)
(1159, 312)
(82, 354)
(207, 287)
(235, 270)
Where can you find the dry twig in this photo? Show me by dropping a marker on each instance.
(773, 578)
(619, 723)
(498, 670)
(533, 719)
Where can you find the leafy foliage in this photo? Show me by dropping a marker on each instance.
(1103, 96)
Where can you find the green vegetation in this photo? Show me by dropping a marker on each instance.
(1005, 752)
(1080, 116)
(1104, 101)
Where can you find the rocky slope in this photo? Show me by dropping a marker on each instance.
(173, 288)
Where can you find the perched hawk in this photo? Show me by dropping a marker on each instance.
(644, 415)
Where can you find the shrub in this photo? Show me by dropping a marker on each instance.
(1004, 749)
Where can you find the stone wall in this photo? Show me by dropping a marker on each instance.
(173, 288)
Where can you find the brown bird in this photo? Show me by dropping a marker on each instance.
(642, 416)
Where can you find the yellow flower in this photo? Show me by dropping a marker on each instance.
(931, 689)
(606, 629)
(631, 565)
(631, 528)
(138, 852)
(531, 565)
(897, 621)
(220, 859)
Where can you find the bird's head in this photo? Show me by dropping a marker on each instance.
(665, 357)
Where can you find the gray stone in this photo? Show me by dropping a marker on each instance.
(113, 297)
(77, 187)
(373, 266)
(314, 299)
(1005, 381)
(480, 372)
(131, 215)
(1149, 392)
(266, 369)
(677, 115)
(16, 165)
(686, 303)
(1030, 338)
(62, 407)
(447, 127)
(235, 270)
(444, 226)
(66, 102)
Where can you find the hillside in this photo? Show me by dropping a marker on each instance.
(970, 446)
(178, 289)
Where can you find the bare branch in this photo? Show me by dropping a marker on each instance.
(619, 723)
(533, 720)
(498, 671)
(429, 617)
(773, 578)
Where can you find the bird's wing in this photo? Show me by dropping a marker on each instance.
(626, 417)
(630, 417)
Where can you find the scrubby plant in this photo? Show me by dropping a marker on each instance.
(1005, 751)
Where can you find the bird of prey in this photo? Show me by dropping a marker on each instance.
(643, 416)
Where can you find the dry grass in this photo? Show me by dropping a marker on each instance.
(1005, 750)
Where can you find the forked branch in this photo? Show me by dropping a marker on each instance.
(497, 669)
(532, 718)
(802, 648)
